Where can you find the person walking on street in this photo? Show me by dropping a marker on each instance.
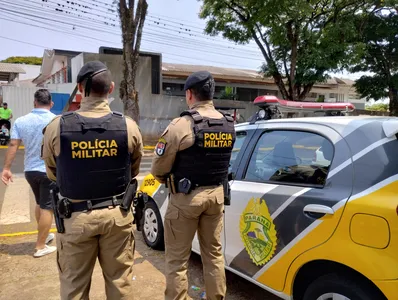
(5, 116)
(28, 129)
(93, 154)
(192, 158)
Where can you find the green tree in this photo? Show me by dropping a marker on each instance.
(29, 60)
(132, 24)
(301, 40)
(380, 39)
(228, 93)
(378, 107)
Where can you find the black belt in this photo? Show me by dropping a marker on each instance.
(95, 204)
(185, 186)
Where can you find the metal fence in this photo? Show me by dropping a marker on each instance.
(19, 99)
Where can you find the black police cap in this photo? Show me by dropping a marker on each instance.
(197, 78)
(88, 71)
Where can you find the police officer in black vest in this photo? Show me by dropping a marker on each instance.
(94, 154)
(192, 158)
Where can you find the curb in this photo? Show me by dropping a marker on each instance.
(23, 233)
(6, 147)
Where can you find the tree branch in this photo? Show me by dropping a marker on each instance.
(122, 12)
(131, 7)
(262, 49)
(242, 17)
(293, 38)
(287, 74)
(264, 40)
(136, 52)
(306, 90)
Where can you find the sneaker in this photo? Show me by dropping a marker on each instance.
(49, 238)
(46, 250)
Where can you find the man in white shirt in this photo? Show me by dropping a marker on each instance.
(29, 130)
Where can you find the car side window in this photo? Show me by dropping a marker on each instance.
(240, 139)
(290, 157)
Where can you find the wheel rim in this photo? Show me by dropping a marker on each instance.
(150, 225)
(332, 296)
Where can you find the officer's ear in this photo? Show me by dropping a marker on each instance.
(188, 94)
(111, 88)
(80, 87)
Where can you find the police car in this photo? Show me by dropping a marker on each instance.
(302, 228)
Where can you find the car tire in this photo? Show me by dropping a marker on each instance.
(327, 286)
(152, 226)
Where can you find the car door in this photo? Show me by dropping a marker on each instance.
(279, 194)
(243, 136)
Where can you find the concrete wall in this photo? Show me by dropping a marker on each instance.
(32, 72)
(64, 88)
(77, 63)
(156, 111)
(115, 65)
(19, 99)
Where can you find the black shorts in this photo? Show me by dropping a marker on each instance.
(41, 187)
(7, 122)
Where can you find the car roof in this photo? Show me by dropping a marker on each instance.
(340, 124)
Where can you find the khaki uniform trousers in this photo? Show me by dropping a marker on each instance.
(104, 233)
(202, 211)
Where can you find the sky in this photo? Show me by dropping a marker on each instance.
(172, 27)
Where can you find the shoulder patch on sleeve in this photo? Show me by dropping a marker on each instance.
(160, 148)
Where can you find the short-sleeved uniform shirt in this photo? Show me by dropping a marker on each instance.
(5, 113)
(29, 129)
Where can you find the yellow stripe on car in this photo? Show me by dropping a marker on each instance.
(341, 247)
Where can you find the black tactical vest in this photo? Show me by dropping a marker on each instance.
(94, 160)
(207, 161)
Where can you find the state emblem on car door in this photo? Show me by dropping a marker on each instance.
(257, 231)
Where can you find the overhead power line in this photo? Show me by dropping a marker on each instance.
(181, 28)
(11, 39)
(83, 25)
(165, 53)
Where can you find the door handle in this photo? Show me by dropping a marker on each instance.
(318, 209)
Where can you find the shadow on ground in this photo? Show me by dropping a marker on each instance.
(27, 248)
(237, 287)
(25, 277)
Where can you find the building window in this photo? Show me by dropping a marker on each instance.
(247, 94)
(313, 95)
(173, 89)
(262, 92)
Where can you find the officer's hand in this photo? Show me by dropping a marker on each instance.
(6, 177)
